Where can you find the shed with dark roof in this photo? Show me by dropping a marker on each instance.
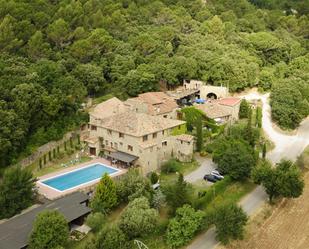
(15, 232)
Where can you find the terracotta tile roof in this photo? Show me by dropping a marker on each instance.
(214, 110)
(229, 101)
(138, 124)
(108, 108)
(185, 137)
(157, 102)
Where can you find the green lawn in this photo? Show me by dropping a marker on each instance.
(56, 165)
(185, 168)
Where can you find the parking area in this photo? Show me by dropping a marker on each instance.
(206, 166)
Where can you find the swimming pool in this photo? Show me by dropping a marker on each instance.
(79, 177)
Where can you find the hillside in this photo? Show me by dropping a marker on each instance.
(55, 53)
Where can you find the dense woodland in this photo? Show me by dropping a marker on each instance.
(53, 53)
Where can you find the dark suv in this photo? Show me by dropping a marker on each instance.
(210, 178)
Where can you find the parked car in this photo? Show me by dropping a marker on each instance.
(217, 175)
(210, 178)
(219, 171)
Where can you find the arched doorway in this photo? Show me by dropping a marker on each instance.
(211, 96)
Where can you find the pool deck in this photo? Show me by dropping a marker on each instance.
(52, 194)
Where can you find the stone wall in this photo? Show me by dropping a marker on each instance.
(44, 149)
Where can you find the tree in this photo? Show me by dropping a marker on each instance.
(249, 136)
(105, 196)
(158, 200)
(8, 40)
(199, 134)
(183, 226)
(138, 218)
(111, 237)
(177, 194)
(96, 221)
(91, 76)
(132, 185)
(236, 158)
(264, 151)
(50, 230)
(283, 180)
(244, 109)
(16, 191)
(229, 221)
(58, 32)
(258, 117)
(37, 48)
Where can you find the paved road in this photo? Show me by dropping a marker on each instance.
(286, 146)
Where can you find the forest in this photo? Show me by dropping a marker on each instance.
(55, 53)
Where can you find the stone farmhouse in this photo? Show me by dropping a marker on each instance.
(223, 110)
(218, 105)
(155, 104)
(138, 132)
(206, 91)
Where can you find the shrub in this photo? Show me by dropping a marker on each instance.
(154, 178)
(171, 166)
(203, 153)
(96, 221)
(111, 237)
(138, 218)
(158, 199)
(182, 228)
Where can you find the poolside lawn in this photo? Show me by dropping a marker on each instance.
(57, 165)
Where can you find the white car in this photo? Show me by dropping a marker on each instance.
(217, 175)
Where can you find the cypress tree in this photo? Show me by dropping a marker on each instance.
(264, 151)
(71, 142)
(199, 134)
(249, 131)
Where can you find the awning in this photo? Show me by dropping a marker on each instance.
(123, 157)
(200, 101)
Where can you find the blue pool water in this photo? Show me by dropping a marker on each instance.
(78, 177)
